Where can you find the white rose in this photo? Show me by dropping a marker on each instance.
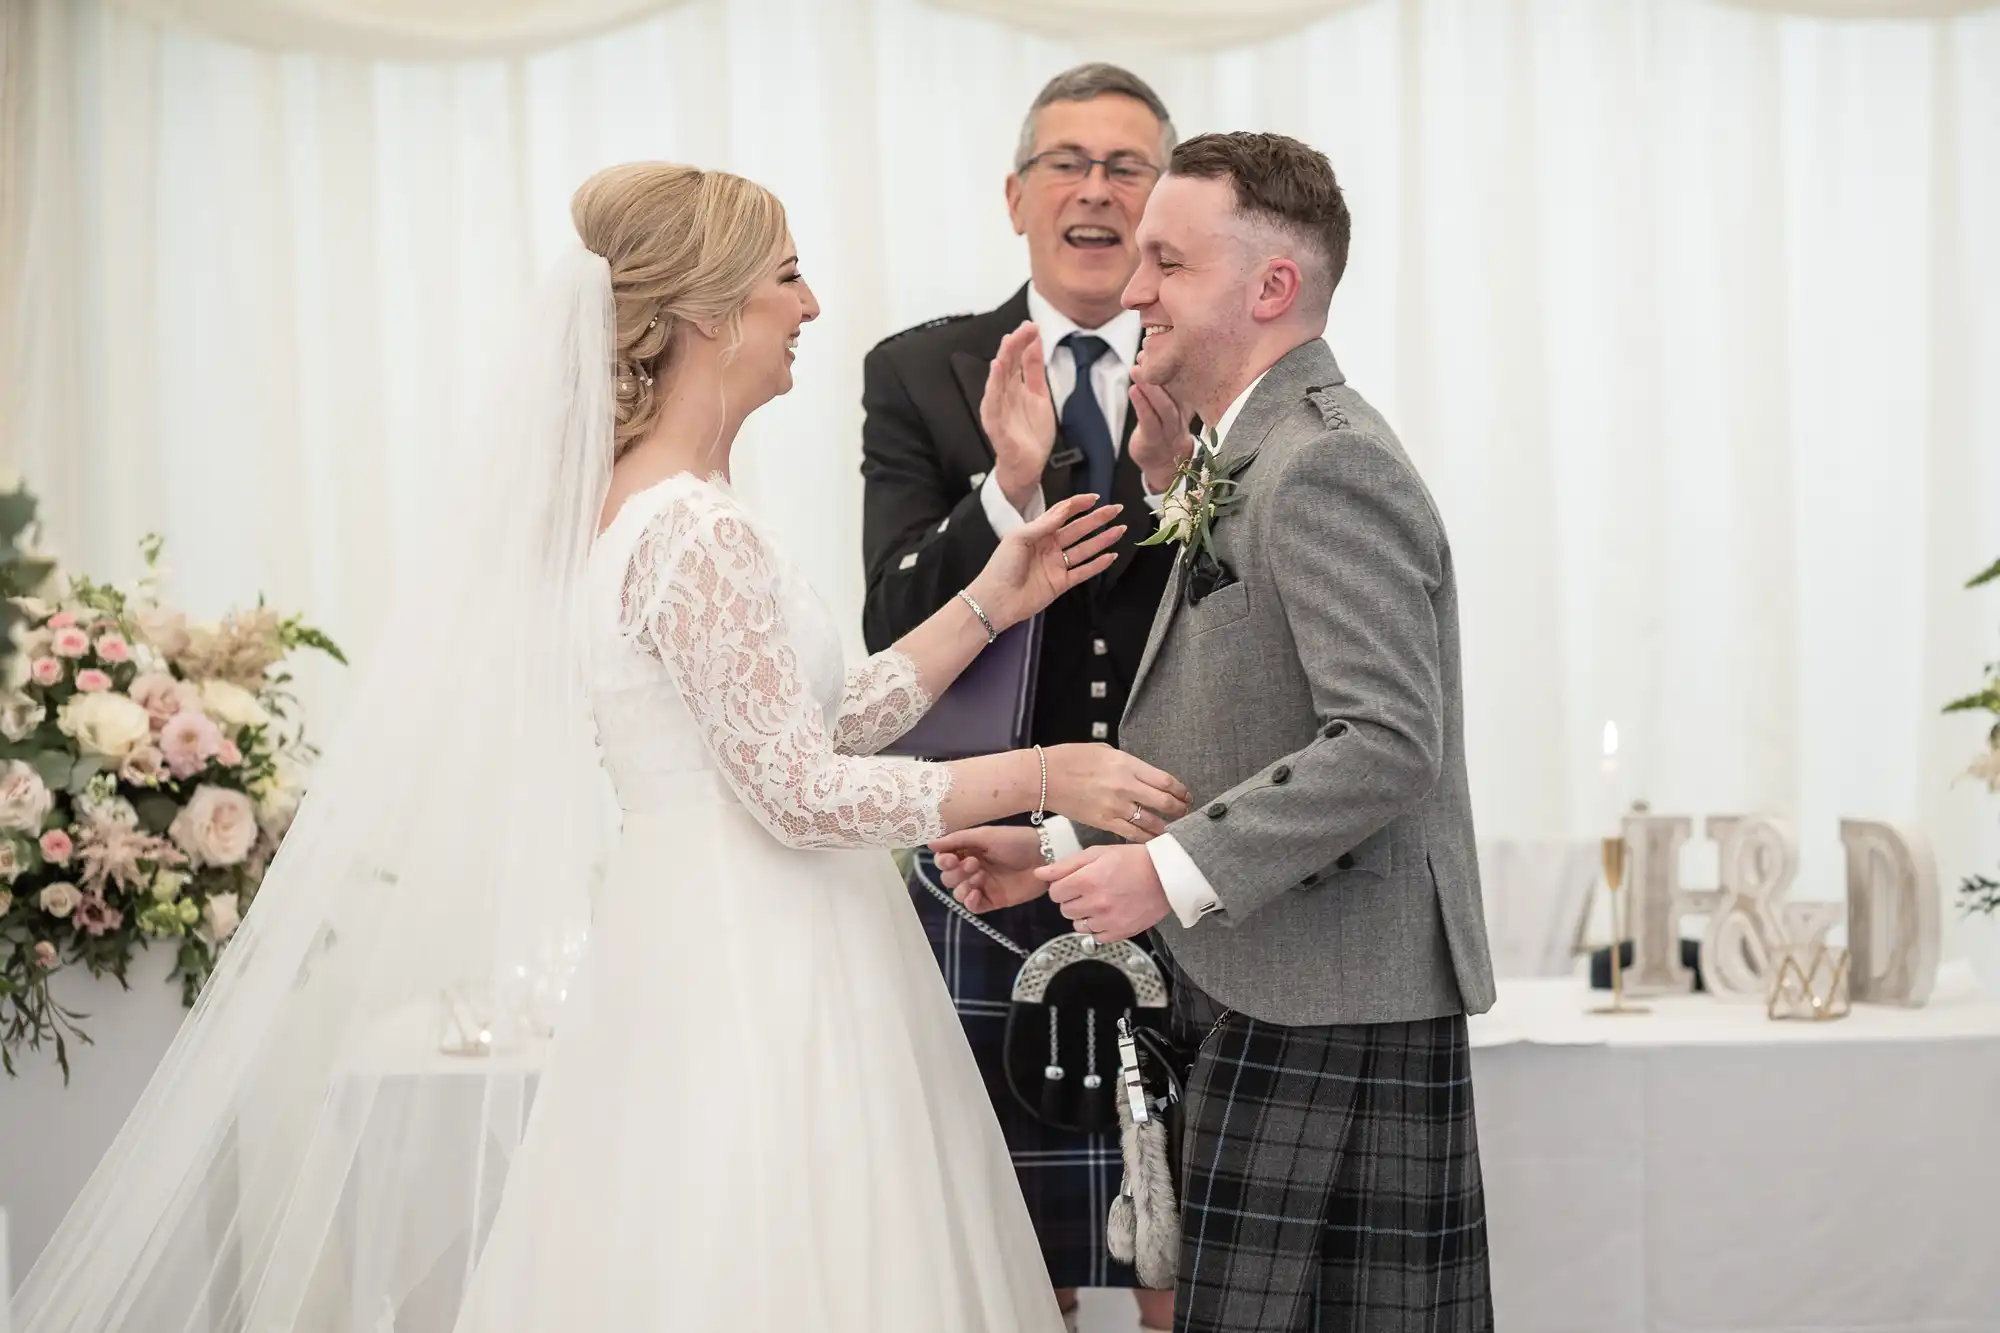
(278, 801)
(108, 724)
(60, 899)
(12, 863)
(1176, 518)
(19, 715)
(222, 916)
(25, 799)
(232, 705)
(217, 827)
(167, 885)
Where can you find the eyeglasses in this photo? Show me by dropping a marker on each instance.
(1069, 166)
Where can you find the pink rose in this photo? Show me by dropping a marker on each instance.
(56, 847)
(189, 741)
(217, 827)
(45, 955)
(162, 696)
(46, 671)
(229, 756)
(61, 620)
(92, 681)
(113, 648)
(71, 642)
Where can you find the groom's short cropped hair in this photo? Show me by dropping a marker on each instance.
(1280, 181)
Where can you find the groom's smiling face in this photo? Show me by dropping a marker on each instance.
(1190, 288)
(1080, 229)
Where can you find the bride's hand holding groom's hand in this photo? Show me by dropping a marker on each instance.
(1040, 561)
(990, 868)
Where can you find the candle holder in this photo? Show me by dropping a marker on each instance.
(1812, 984)
(1614, 878)
(475, 1024)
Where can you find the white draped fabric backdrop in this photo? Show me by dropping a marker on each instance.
(1689, 312)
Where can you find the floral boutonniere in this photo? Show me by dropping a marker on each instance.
(1197, 498)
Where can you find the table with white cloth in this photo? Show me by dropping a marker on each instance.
(1702, 1167)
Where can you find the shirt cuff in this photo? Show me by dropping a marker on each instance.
(1153, 502)
(1000, 511)
(1188, 890)
(1062, 837)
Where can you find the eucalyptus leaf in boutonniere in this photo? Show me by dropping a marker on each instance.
(1197, 500)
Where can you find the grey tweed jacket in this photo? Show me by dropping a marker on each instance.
(1313, 707)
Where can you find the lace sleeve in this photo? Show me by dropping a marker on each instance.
(884, 699)
(700, 596)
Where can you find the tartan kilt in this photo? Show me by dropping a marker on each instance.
(1068, 1180)
(1331, 1177)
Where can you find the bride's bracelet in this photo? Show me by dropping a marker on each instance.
(1041, 805)
(980, 611)
(1040, 819)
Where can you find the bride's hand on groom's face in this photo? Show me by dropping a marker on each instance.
(1040, 561)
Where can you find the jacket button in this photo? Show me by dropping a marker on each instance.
(1346, 862)
(1334, 729)
(1311, 879)
(1218, 810)
(1281, 775)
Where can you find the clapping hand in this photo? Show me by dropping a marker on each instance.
(1017, 414)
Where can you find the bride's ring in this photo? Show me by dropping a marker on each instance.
(1138, 817)
(1065, 558)
(1083, 926)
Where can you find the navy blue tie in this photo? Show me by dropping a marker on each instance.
(1083, 423)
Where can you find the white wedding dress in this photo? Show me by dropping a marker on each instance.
(760, 1112)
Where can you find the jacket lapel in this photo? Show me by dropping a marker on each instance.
(1306, 367)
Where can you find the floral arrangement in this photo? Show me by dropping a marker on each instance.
(1982, 892)
(1196, 499)
(150, 767)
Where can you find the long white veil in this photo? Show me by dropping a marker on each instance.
(307, 1155)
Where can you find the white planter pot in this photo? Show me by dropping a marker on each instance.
(56, 1134)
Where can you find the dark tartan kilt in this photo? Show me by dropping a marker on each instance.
(1068, 1180)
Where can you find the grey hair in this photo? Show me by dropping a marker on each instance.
(1085, 82)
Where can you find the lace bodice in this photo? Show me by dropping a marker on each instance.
(711, 654)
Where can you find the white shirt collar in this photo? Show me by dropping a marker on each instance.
(1122, 333)
(1235, 410)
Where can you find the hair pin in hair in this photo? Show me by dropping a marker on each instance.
(652, 323)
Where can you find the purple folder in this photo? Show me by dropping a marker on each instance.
(989, 708)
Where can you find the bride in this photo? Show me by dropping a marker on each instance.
(758, 1112)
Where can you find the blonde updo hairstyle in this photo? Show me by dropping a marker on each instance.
(686, 247)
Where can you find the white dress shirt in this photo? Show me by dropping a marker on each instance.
(1110, 380)
(1188, 891)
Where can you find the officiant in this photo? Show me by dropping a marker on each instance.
(937, 501)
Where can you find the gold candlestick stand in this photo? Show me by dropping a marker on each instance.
(1614, 878)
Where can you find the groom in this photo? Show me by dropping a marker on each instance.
(1321, 903)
